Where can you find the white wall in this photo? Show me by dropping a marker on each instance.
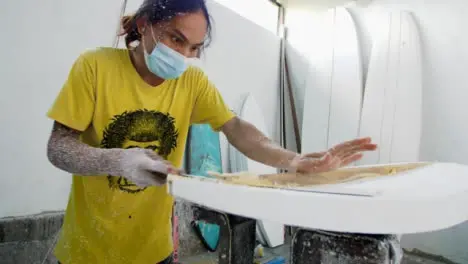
(267, 18)
(445, 89)
(41, 41)
(39, 44)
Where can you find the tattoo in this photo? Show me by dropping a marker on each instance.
(66, 152)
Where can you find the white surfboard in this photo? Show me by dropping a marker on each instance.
(268, 233)
(425, 198)
(333, 95)
(392, 105)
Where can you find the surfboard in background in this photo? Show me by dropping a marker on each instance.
(392, 106)
(268, 233)
(203, 150)
(333, 91)
(204, 155)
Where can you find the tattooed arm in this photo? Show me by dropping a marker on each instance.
(255, 145)
(65, 151)
(142, 166)
(250, 141)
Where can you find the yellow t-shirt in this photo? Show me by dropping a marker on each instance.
(108, 219)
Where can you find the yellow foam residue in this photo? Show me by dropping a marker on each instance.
(303, 180)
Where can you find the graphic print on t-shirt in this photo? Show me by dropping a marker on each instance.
(139, 129)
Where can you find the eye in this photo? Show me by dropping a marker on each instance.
(176, 40)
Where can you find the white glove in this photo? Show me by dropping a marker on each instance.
(143, 167)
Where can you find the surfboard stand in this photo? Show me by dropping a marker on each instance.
(237, 235)
(317, 246)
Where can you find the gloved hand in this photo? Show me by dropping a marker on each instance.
(143, 167)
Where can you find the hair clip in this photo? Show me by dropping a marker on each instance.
(134, 44)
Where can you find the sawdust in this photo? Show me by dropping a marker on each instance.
(305, 180)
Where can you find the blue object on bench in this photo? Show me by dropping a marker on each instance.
(204, 154)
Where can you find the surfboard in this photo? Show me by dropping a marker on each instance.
(203, 155)
(268, 233)
(204, 152)
(333, 91)
(408, 198)
(392, 106)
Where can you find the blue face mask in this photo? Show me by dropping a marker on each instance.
(165, 62)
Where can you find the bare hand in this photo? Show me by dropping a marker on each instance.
(338, 156)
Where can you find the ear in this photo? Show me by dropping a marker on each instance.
(141, 25)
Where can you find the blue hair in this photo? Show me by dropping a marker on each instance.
(156, 11)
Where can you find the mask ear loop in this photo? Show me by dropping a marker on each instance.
(142, 40)
(154, 38)
(156, 41)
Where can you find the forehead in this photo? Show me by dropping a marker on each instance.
(193, 26)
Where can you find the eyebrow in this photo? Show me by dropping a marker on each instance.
(181, 35)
